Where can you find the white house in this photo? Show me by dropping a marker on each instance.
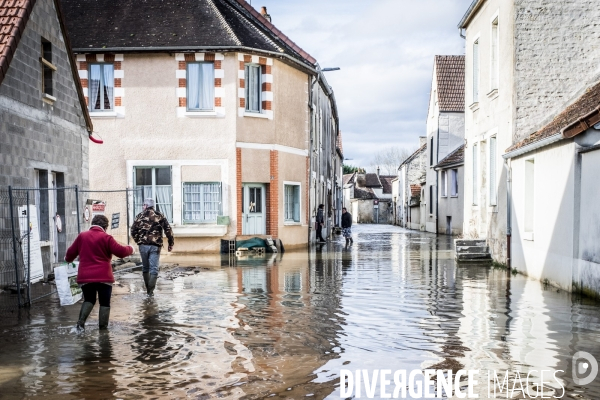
(411, 180)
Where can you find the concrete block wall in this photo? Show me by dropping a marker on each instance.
(34, 134)
(557, 56)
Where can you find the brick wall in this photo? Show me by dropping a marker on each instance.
(273, 202)
(557, 56)
(34, 134)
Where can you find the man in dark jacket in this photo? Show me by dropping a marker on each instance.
(320, 223)
(147, 231)
(347, 226)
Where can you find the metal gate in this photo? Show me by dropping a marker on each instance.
(37, 225)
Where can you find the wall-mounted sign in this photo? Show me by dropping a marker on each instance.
(31, 242)
(114, 224)
(58, 223)
(86, 214)
(98, 208)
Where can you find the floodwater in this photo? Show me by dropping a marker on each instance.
(284, 326)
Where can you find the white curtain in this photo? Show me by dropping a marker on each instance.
(297, 203)
(193, 79)
(109, 83)
(253, 88)
(94, 83)
(163, 200)
(208, 86)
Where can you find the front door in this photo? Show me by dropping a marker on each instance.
(254, 209)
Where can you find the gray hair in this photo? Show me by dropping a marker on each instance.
(149, 202)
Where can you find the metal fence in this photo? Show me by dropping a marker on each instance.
(37, 225)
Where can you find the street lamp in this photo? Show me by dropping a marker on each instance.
(330, 69)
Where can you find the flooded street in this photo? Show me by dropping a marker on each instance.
(285, 325)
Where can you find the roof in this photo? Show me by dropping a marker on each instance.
(14, 16)
(454, 158)
(163, 25)
(349, 178)
(372, 180)
(574, 119)
(386, 181)
(450, 74)
(471, 11)
(415, 190)
(415, 154)
(364, 193)
(338, 144)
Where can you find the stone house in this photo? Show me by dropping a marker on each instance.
(368, 197)
(445, 134)
(211, 110)
(534, 205)
(44, 123)
(410, 185)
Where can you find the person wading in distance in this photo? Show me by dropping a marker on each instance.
(95, 249)
(320, 222)
(147, 231)
(347, 226)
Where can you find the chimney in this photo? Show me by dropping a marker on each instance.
(263, 12)
(378, 171)
(422, 140)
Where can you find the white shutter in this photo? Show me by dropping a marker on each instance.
(476, 72)
(493, 189)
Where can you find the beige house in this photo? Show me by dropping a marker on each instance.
(205, 108)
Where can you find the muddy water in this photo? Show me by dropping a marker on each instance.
(286, 325)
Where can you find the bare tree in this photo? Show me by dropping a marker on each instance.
(388, 160)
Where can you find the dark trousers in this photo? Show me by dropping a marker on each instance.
(104, 292)
(319, 230)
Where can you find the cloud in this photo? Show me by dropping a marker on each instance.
(385, 50)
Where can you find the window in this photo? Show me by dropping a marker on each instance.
(431, 151)
(200, 86)
(47, 70)
(493, 188)
(443, 180)
(454, 182)
(529, 194)
(201, 202)
(155, 183)
(495, 58)
(475, 181)
(101, 87)
(292, 203)
(253, 88)
(476, 71)
(430, 199)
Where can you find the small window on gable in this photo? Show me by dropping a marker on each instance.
(101, 87)
(252, 76)
(443, 183)
(200, 86)
(454, 182)
(47, 70)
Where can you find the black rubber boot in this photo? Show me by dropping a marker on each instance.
(84, 313)
(146, 276)
(103, 317)
(351, 241)
(347, 242)
(151, 284)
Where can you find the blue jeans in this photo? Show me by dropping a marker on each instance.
(150, 258)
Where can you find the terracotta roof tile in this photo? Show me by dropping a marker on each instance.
(415, 190)
(584, 105)
(14, 15)
(450, 74)
(457, 156)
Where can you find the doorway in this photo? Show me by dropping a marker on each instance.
(448, 225)
(253, 209)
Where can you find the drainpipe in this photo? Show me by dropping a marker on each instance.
(310, 154)
(508, 212)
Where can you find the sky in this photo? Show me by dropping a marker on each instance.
(385, 50)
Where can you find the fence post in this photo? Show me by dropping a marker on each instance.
(28, 250)
(78, 216)
(14, 241)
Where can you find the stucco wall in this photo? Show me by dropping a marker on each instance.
(292, 168)
(452, 206)
(557, 38)
(550, 254)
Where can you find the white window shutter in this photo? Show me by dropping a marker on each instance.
(476, 72)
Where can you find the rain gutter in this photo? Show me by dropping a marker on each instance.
(533, 146)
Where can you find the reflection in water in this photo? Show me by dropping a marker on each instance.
(286, 325)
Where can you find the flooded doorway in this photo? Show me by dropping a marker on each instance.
(254, 209)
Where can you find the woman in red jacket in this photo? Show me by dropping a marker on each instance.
(95, 249)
